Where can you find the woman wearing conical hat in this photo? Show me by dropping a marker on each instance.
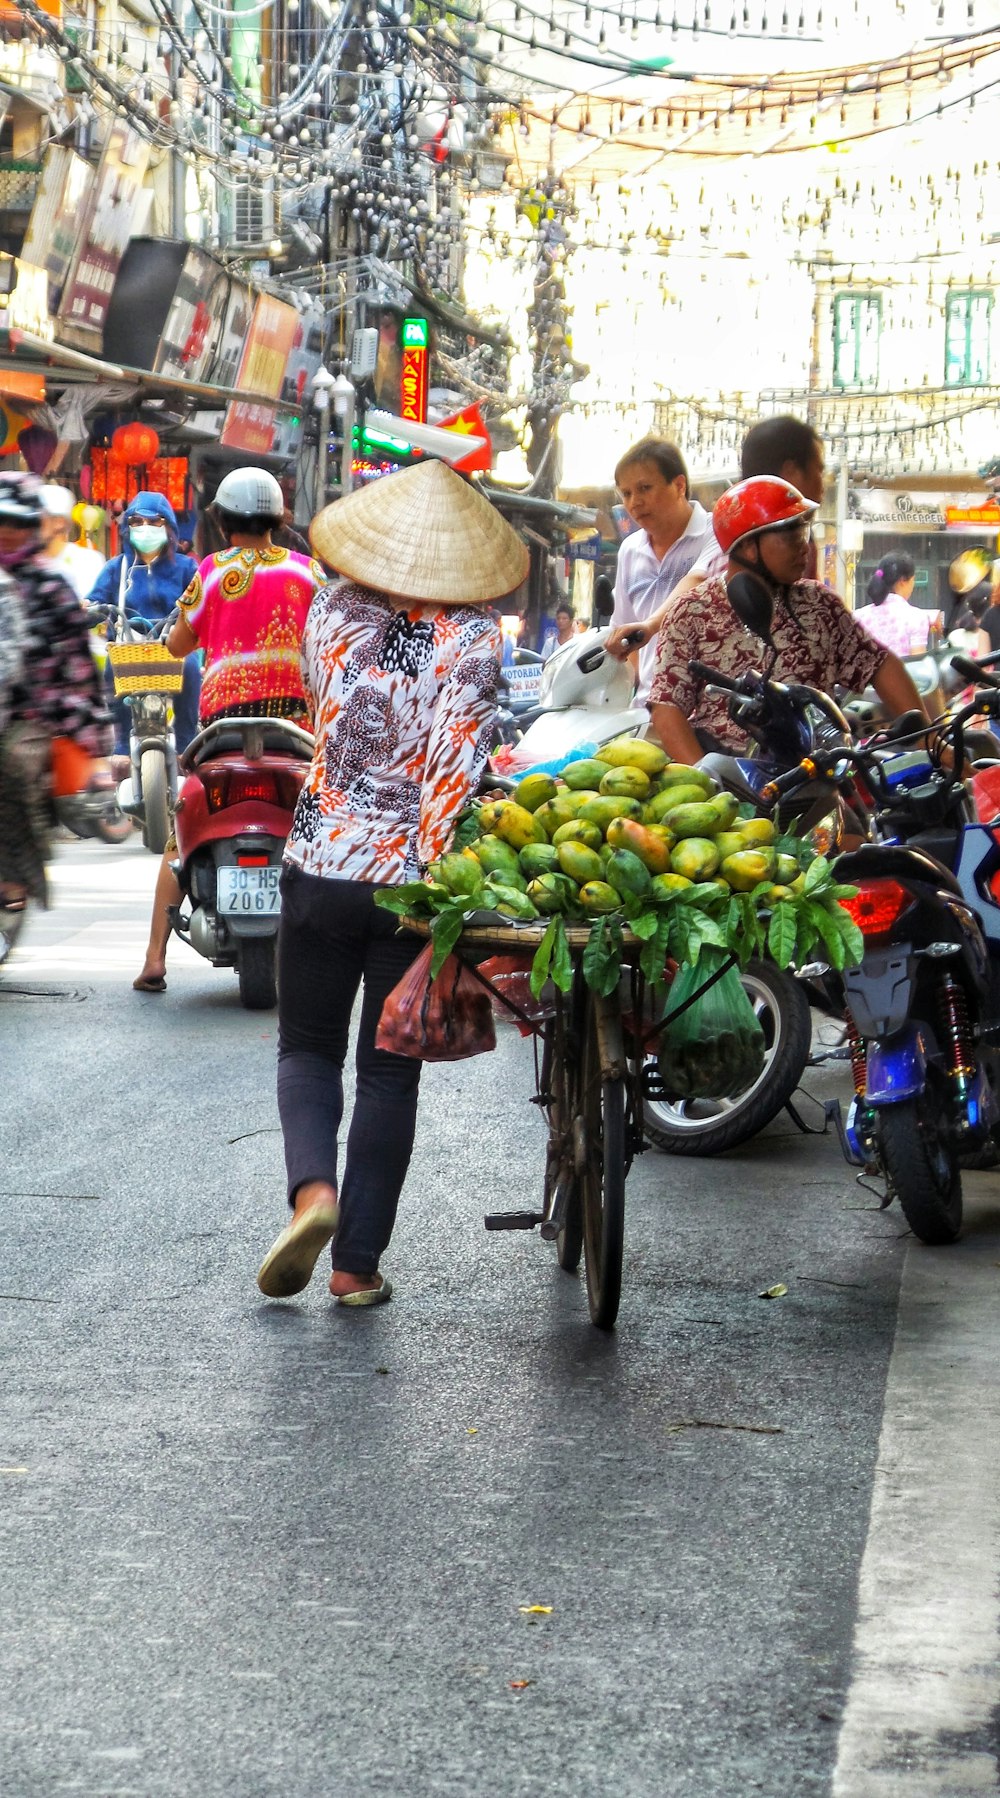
(400, 665)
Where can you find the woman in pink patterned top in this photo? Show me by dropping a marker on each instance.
(890, 618)
(401, 664)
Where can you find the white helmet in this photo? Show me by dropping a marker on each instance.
(250, 493)
(57, 502)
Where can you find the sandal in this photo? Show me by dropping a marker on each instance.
(368, 1295)
(13, 898)
(287, 1267)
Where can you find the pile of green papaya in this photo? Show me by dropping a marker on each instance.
(634, 841)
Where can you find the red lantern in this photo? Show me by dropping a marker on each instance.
(135, 444)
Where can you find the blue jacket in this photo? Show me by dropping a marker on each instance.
(152, 591)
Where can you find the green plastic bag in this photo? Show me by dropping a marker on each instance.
(712, 1048)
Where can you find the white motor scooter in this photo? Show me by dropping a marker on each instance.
(587, 696)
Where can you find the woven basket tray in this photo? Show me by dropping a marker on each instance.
(144, 668)
(486, 932)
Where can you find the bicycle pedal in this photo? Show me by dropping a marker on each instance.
(512, 1220)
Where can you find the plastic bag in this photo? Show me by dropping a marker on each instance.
(511, 975)
(715, 1047)
(446, 1019)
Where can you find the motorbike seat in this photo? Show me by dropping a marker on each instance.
(275, 739)
(895, 861)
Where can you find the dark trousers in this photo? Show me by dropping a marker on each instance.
(333, 937)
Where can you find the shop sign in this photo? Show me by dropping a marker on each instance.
(197, 314)
(224, 366)
(585, 549)
(26, 306)
(103, 237)
(883, 508)
(63, 192)
(414, 378)
(987, 513)
(304, 359)
(249, 425)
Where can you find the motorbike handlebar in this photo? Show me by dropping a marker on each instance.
(724, 682)
(790, 780)
(973, 671)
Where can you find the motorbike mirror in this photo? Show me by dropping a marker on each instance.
(753, 603)
(604, 597)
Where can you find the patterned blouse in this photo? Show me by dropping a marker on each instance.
(818, 641)
(402, 704)
(59, 687)
(900, 626)
(247, 608)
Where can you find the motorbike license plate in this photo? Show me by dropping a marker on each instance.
(249, 892)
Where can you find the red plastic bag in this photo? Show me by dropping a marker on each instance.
(511, 975)
(446, 1019)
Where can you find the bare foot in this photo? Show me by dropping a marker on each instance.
(342, 1283)
(313, 1193)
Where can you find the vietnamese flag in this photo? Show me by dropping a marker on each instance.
(470, 424)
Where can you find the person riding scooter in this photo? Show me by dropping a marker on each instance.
(149, 576)
(246, 608)
(763, 525)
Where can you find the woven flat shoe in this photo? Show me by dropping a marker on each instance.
(288, 1266)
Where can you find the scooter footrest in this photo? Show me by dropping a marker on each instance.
(512, 1220)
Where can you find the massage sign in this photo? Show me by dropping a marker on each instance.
(414, 376)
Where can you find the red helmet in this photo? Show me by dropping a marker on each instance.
(763, 503)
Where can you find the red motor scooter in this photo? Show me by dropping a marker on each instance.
(241, 778)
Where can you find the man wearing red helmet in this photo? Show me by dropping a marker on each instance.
(763, 525)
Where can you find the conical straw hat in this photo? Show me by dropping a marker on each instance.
(422, 534)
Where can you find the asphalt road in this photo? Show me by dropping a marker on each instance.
(256, 1549)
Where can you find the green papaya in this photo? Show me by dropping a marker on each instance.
(682, 774)
(666, 885)
(551, 893)
(578, 831)
(727, 808)
(597, 898)
(511, 903)
(517, 879)
(693, 820)
(697, 858)
(669, 798)
(537, 858)
(626, 783)
(603, 807)
(589, 774)
(579, 862)
(461, 874)
(496, 856)
(627, 874)
(535, 790)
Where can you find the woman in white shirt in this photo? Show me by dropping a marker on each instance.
(890, 618)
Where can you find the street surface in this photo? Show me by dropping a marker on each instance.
(253, 1548)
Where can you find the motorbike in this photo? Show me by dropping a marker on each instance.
(241, 781)
(145, 676)
(585, 698)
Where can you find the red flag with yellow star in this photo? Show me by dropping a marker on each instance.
(470, 424)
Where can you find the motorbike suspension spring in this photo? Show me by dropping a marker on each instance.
(957, 1030)
(859, 1060)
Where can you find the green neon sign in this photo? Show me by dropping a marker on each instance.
(415, 334)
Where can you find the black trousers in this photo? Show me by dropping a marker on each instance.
(332, 938)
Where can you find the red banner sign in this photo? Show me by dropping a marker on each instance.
(413, 386)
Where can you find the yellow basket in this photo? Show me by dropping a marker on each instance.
(144, 668)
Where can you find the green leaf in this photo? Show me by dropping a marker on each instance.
(819, 922)
(467, 828)
(841, 892)
(542, 962)
(850, 935)
(445, 932)
(562, 961)
(602, 957)
(414, 896)
(782, 933)
(653, 954)
(645, 925)
(819, 876)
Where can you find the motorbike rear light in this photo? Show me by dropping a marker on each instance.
(252, 861)
(877, 906)
(225, 787)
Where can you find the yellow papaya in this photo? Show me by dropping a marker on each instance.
(551, 893)
(585, 774)
(652, 850)
(697, 858)
(461, 874)
(663, 886)
(729, 842)
(758, 831)
(682, 774)
(535, 790)
(727, 808)
(634, 752)
(786, 870)
(579, 862)
(578, 831)
(495, 856)
(517, 827)
(575, 802)
(750, 866)
(597, 898)
(626, 783)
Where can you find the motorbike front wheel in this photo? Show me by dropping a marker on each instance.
(923, 1168)
(708, 1126)
(155, 800)
(255, 967)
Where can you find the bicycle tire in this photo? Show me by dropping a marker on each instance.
(556, 1080)
(601, 1115)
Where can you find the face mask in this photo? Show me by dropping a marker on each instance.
(148, 538)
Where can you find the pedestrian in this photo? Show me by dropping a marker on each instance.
(674, 531)
(989, 622)
(561, 631)
(889, 617)
(76, 562)
(401, 664)
(763, 525)
(57, 722)
(787, 447)
(246, 609)
(148, 577)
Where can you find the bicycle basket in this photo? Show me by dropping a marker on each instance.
(144, 668)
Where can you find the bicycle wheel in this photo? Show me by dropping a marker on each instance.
(599, 1125)
(562, 1188)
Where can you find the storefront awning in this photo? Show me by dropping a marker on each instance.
(22, 350)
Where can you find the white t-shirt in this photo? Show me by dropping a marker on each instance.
(77, 565)
(642, 583)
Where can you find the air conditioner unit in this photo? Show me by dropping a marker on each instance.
(252, 214)
(364, 352)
